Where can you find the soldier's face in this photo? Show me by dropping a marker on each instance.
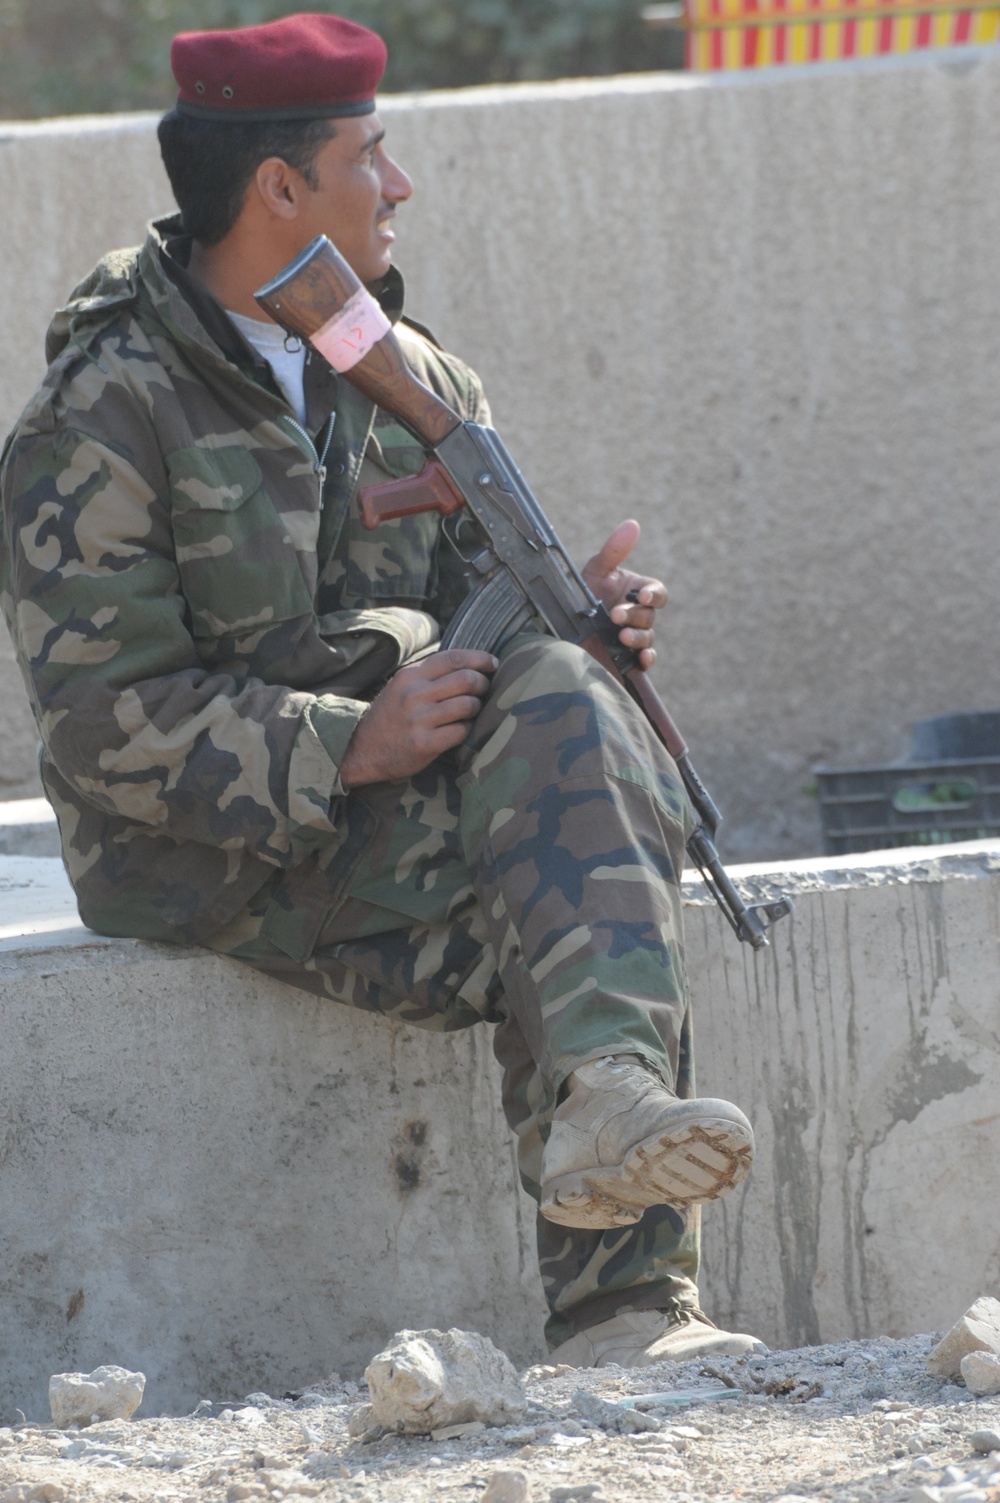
(358, 186)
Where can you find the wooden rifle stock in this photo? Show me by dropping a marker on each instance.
(305, 297)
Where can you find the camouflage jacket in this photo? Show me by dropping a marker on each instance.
(197, 613)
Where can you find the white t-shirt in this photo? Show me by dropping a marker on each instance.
(288, 365)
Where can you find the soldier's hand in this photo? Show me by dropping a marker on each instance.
(425, 709)
(632, 599)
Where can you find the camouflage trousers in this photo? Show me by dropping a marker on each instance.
(530, 881)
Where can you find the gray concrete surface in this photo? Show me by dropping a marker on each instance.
(759, 312)
(230, 1186)
(28, 828)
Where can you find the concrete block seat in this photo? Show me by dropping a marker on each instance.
(233, 1186)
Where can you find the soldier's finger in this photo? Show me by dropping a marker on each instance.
(463, 681)
(633, 615)
(651, 593)
(637, 640)
(455, 707)
(441, 663)
(616, 549)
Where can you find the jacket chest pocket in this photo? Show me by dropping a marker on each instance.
(393, 564)
(240, 559)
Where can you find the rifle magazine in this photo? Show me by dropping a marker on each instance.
(495, 611)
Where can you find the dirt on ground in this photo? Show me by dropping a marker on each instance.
(855, 1422)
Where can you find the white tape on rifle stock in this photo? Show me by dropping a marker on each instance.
(347, 337)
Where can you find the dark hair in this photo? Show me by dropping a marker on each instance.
(210, 163)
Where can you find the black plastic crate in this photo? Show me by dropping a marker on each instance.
(946, 789)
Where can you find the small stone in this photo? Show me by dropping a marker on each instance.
(977, 1331)
(543, 1372)
(985, 1441)
(249, 1416)
(237, 1491)
(426, 1380)
(459, 1432)
(35, 1492)
(924, 1494)
(361, 1419)
(981, 1371)
(85, 1398)
(281, 1481)
(615, 1418)
(576, 1492)
(507, 1487)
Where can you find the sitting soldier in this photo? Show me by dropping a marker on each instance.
(250, 742)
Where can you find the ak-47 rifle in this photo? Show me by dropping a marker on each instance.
(522, 573)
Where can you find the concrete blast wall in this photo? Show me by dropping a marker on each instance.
(233, 1186)
(762, 314)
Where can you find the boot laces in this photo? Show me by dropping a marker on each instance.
(683, 1310)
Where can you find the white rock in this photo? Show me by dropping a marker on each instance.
(507, 1487)
(981, 1371)
(424, 1380)
(107, 1393)
(977, 1331)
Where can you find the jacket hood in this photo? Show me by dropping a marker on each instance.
(111, 284)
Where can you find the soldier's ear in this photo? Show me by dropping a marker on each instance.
(279, 187)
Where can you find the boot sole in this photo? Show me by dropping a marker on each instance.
(693, 1162)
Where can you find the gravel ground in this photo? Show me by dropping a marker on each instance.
(856, 1422)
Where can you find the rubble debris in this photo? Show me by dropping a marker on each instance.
(507, 1486)
(981, 1371)
(108, 1393)
(426, 1380)
(977, 1331)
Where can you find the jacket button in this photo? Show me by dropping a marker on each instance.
(339, 469)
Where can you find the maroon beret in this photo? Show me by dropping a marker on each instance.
(299, 68)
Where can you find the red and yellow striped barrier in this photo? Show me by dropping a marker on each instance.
(727, 34)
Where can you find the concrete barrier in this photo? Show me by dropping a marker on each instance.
(232, 1186)
(760, 312)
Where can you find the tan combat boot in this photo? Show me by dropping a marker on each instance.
(621, 1142)
(638, 1338)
